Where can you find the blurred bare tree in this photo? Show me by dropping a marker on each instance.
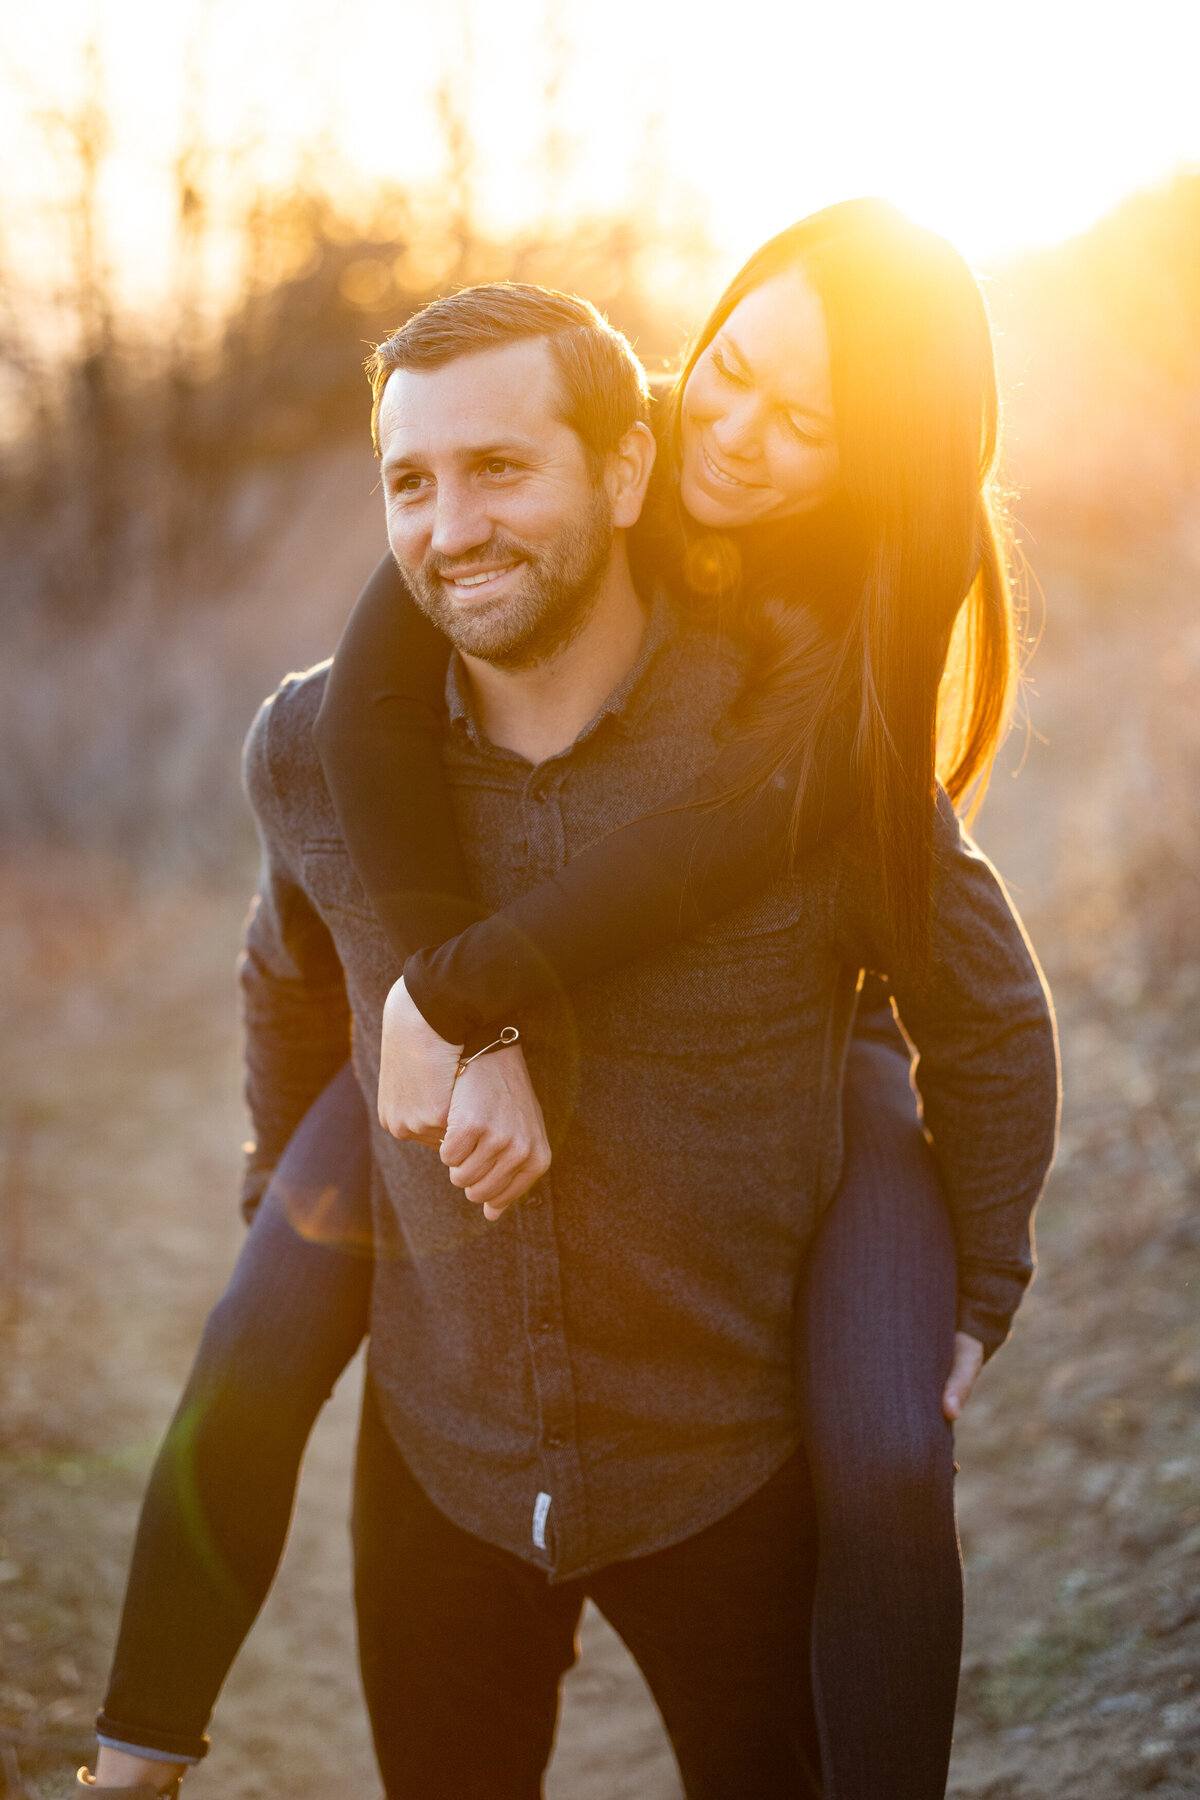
(157, 465)
(153, 461)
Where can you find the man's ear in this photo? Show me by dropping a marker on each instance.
(628, 474)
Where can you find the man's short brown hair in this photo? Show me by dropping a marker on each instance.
(604, 390)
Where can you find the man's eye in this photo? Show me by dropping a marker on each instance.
(497, 465)
(407, 484)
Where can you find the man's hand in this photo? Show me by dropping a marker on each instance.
(416, 1072)
(495, 1145)
(968, 1360)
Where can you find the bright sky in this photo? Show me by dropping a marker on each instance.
(1003, 126)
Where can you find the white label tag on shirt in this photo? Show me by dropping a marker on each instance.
(541, 1508)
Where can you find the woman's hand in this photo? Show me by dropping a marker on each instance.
(968, 1360)
(416, 1072)
(495, 1145)
(488, 1123)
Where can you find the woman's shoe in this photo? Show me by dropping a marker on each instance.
(85, 1785)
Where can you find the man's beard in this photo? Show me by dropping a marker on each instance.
(555, 599)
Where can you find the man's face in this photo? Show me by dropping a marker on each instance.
(498, 523)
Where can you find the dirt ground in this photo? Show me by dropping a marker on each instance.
(1080, 1456)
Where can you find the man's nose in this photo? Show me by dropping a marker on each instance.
(460, 522)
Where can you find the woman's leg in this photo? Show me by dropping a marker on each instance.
(875, 1342)
(220, 1495)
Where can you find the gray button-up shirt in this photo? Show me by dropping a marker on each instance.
(608, 1369)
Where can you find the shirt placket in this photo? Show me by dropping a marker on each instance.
(558, 1522)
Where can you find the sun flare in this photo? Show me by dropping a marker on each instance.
(1002, 130)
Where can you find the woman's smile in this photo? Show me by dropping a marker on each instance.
(723, 475)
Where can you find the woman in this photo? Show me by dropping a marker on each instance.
(824, 463)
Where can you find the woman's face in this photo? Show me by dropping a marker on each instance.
(758, 438)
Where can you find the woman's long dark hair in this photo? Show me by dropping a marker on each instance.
(920, 658)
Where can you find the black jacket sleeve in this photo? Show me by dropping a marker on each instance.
(379, 733)
(980, 1017)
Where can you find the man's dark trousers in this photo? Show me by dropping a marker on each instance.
(463, 1646)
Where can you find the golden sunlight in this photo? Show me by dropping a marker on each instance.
(1002, 128)
(213, 212)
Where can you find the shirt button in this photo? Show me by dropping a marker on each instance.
(534, 1199)
(545, 1325)
(554, 1441)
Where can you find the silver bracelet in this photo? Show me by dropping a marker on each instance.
(509, 1035)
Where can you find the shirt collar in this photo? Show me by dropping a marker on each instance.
(625, 706)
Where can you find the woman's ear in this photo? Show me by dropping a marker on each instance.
(628, 474)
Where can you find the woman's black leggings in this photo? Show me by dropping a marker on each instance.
(875, 1338)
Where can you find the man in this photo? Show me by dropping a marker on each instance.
(594, 1396)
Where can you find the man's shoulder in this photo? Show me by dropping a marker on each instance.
(697, 662)
(280, 761)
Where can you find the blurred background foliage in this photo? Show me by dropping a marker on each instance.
(159, 463)
(187, 497)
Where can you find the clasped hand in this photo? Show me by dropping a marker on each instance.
(487, 1126)
(486, 1123)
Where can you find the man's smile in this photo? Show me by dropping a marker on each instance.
(476, 579)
